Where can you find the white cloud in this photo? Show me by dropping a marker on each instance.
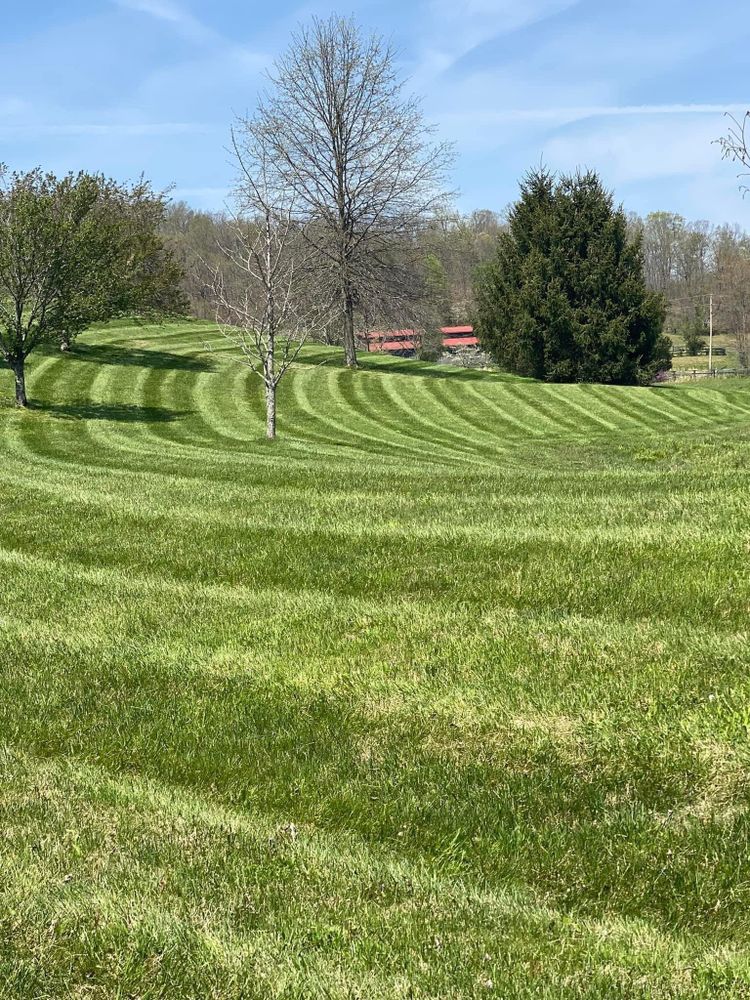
(481, 119)
(164, 10)
(458, 27)
(640, 150)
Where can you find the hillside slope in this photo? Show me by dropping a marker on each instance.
(444, 694)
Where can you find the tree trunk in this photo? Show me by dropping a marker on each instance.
(270, 411)
(65, 341)
(20, 374)
(350, 345)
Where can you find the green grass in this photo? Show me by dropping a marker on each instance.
(445, 694)
(699, 362)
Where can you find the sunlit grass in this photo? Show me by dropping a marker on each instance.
(445, 694)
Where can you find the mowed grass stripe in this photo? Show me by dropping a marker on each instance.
(447, 686)
(373, 397)
(392, 438)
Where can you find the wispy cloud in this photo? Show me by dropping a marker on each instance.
(456, 28)
(641, 150)
(164, 10)
(26, 130)
(481, 118)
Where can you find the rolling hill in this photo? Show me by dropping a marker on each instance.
(443, 694)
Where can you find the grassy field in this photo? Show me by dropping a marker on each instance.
(446, 694)
(700, 362)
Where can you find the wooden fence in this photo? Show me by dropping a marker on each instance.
(683, 352)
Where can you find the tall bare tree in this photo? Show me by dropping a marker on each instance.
(263, 302)
(358, 156)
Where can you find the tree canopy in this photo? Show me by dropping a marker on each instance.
(74, 251)
(564, 298)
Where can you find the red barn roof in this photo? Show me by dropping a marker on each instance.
(402, 340)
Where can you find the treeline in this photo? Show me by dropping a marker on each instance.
(442, 282)
(686, 261)
(691, 263)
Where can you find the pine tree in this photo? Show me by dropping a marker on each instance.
(564, 298)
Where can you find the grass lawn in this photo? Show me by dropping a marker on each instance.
(700, 362)
(445, 694)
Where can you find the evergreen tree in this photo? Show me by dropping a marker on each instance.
(564, 298)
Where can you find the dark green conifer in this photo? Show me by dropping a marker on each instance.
(564, 298)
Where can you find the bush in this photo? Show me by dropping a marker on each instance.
(694, 342)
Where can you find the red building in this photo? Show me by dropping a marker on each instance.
(397, 341)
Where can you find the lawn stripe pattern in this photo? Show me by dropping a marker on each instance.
(443, 694)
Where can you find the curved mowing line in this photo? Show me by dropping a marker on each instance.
(502, 443)
(345, 392)
(500, 432)
(372, 394)
(483, 445)
(722, 404)
(506, 418)
(126, 440)
(312, 426)
(371, 397)
(616, 400)
(429, 431)
(206, 421)
(348, 435)
(693, 408)
(350, 392)
(427, 410)
(608, 408)
(566, 397)
(190, 431)
(60, 378)
(499, 429)
(541, 408)
(341, 415)
(219, 398)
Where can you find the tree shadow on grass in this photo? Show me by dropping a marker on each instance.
(121, 412)
(106, 354)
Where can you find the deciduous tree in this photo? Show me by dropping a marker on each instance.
(74, 251)
(264, 303)
(358, 157)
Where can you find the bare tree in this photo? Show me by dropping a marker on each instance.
(736, 143)
(357, 155)
(263, 306)
(733, 288)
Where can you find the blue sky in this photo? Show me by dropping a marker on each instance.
(634, 89)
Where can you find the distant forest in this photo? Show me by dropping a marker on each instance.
(686, 261)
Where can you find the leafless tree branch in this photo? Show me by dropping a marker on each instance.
(735, 145)
(356, 160)
(262, 294)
